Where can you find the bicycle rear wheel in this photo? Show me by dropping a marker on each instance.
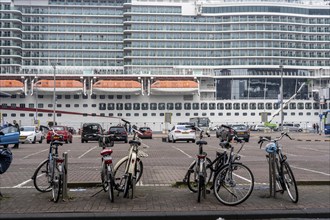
(119, 174)
(41, 177)
(110, 186)
(105, 184)
(290, 183)
(57, 185)
(192, 176)
(233, 184)
(201, 188)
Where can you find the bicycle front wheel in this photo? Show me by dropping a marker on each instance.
(41, 177)
(192, 176)
(201, 188)
(57, 185)
(120, 175)
(233, 184)
(110, 186)
(290, 183)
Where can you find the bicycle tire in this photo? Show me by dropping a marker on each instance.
(290, 183)
(233, 184)
(119, 174)
(57, 186)
(104, 181)
(110, 187)
(201, 186)
(192, 180)
(127, 184)
(132, 187)
(41, 177)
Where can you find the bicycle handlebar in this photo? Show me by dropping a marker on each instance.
(263, 139)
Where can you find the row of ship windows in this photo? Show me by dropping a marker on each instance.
(163, 114)
(180, 106)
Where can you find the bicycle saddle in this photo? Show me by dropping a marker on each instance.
(201, 143)
(135, 142)
(225, 144)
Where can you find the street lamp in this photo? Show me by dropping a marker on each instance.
(281, 97)
(320, 111)
(36, 120)
(54, 93)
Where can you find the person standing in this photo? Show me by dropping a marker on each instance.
(317, 128)
(17, 126)
(314, 127)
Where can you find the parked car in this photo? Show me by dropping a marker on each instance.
(292, 127)
(30, 134)
(119, 132)
(182, 133)
(90, 132)
(260, 128)
(243, 131)
(72, 130)
(220, 130)
(9, 135)
(146, 132)
(61, 130)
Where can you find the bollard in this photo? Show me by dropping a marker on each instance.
(65, 177)
(272, 175)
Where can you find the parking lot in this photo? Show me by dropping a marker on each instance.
(308, 155)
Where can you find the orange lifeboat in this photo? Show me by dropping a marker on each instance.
(11, 86)
(174, 86)
(62, 86)
(117, 86)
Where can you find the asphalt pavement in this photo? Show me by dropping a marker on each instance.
(167, 201)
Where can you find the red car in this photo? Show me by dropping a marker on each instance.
(146, 132)
(61, 130)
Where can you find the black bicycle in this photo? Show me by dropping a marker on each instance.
(284, 177)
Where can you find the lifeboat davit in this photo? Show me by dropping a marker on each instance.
(174, 87)
(117, 87)
(11, 86)
(62, 86)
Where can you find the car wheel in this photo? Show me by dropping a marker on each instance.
(247, 140)
(48, 142)
(173, 140)
(34, 140)
(169, 140)
(82, 141)
(193, 141)
(41, 139)
(126, 140)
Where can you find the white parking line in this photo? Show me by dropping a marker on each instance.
(34, 153)
(22, 184)
(313, 171)
(87, 152)
(182, 152)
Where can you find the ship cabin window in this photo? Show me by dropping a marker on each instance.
(13, 96)
(13, 114)
(301, 113)
(152, 114)
(119, 97)
(60, 106)
(119, 114)
(252, 106)
(187, 106)
(129, 115)
(136, 106)
(244, 114)
(153, 106)
(308, 113)
(93, 114)
(110, 114)
(292, 106)
(161, 114)
(13, 105)
(93, 105)
(93, 96)
(76, 105)
(102, 96)
(111, 106)
(228, 114)
(30, 115)
(170, 106)
(31, 105)
(145, 114)
(212, 106)
(85, 105)
(293, 114)
(84, 96)
(236, 106)
(67, 96)
(136, 114)
(178, 106)
(196, 114)
(316, 105)
(276, 106)
(102, 114)
(285, 114)
(212, 114)
(187, 114)
(67, 105)
(40, 96)
(308, 105)
(220, 106)
(204, 114)
(178, 114)
(76, 96)
(23, 96)
(195, 106)
(128, 106)
(228, 106)
(102, 106)
(22, 115)
(220, 114)
(50, 114)
(59, 96)
(22, 105)
(161, 106)
(119, 106)
(269, 106)
(253, 113)
(324, 106)
(127, 97)
(204, 106)
(261, 106)
(4, 114)
(236, 113)
(110, 96)
(300, 105)
(145, 106)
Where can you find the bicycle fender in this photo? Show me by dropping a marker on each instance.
(120, 161)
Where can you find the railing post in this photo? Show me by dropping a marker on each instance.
(65, 176)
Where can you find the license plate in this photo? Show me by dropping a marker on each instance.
(185, 132)
(240, 132)
(22, 137)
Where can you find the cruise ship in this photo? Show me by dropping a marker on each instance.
(160, 62)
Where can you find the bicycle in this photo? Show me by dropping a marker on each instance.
(284, 178)
(107, 176)
(49, 174)
(129, 169)
(233, 182)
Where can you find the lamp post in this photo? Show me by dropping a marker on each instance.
(36, 120)
(320, 110)
(54, 93)
(281, 97)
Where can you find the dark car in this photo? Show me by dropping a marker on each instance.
(119, 132)
(60, 130)
(243, 131)
(90, 132)
(146, 132)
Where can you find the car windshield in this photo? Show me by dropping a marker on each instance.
(117, 129)
(144, 129)
(27, 129)
(239, 127)
(58, 128)
(184, 127)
